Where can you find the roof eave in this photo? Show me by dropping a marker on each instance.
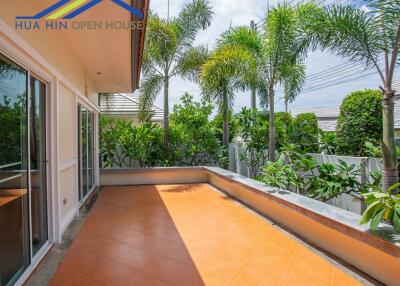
(138, 37)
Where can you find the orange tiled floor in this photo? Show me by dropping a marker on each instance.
(186, 235)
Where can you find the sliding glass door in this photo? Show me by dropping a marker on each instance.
(38, 163)
(23, 193)
(14, 200)
(86, 151)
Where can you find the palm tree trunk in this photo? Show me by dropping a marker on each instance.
(271, 143)
(225, 138)
(286, 106)
(166, 111)
(389, 158)
(253, 99)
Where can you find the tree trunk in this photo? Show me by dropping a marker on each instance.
(271, 143)
(225, 139)
(286, 106)
(253, 99)
(389, 157)
(166, 111)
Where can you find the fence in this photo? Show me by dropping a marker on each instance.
(347, 202)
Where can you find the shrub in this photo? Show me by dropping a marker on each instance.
(360, 121)
(254, 130)
(194, 140)
(305, 132)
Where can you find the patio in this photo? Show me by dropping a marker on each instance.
(188, 235)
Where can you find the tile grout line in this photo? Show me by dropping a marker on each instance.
(332, 276)
(288, 265)
(245, 260)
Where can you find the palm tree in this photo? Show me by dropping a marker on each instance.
(169, 52)
(279, 54)
(367, 37)
(229, 68)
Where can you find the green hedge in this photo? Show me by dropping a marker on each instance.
(360, 121)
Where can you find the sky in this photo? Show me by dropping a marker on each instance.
(231, 13)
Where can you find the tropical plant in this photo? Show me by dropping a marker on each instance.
(253, 130)
(194, 137)
(218, 122)
(372, 150)
(283, 58)
(334, 180)
(279, 53)
(327, 142)
(125, 145)
(360, 121)
(305, 132)
(169, 52)
(227, 70)
(383, 206)
(279, 174)
(367, 37)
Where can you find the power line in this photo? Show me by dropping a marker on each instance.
(323, 86)
(348, 71)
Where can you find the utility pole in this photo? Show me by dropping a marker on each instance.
(253, 89)
(168, 12)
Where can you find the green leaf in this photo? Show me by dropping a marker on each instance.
(396, 220)
(392, 188)
(377, 218)
(369, 212)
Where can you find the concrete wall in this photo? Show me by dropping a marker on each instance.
(151, 176)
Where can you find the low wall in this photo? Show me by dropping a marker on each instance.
(152, 176)
(335, 230)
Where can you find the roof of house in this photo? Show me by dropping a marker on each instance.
(126, 104)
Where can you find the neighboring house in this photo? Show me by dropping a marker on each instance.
(55, 58)
(126, 106)
(327, 117)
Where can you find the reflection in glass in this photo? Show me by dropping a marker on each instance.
(86, 142)
(90, 151)
(38, 163)
(14, 216)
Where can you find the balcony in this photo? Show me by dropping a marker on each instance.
(207, 226)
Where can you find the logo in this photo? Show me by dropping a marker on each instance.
(57, 15)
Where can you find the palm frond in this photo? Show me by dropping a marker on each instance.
(190, 62)
(349, 32)
(195, 15)
(293, 81)
(149, 89)
(160, 44)
(244, 37)
(229, 68)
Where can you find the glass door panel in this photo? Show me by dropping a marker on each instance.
(90, 150)
(86, 151)
(14, 202)
(38, 164)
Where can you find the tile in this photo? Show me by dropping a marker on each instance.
(186, 235)
(164, 269)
